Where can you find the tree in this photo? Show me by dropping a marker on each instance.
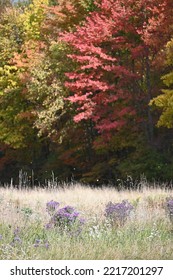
(16, 117)
(98, 84)
(117, 69)
(109, 50)
(95, 62)
(21, 33)
(164, 101)
(32, 88)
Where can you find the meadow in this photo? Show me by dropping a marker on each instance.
(28, 231)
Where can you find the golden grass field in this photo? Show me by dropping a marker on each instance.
(147, 234)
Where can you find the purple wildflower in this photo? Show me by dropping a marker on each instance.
(118, 212)
(48, 225)
(16, 231)
(47, 244)
(169, 207)
(65, 216)
(51, 206)
(82, 221)
(37, 243)
(17, 238)
(0, 236)
(68, 209)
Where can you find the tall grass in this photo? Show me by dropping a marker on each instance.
(147, 233)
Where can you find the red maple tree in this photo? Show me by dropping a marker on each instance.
(108, 50)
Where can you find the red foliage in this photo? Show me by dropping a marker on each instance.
(104, 49)
(99, 84)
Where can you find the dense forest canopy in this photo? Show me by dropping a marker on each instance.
(86, 89)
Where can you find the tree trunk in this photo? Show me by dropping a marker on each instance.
(150, 127)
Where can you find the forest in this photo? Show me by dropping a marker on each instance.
(86, 90)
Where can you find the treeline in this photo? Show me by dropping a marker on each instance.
(86, 89)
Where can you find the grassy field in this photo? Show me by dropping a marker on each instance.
(147, 233)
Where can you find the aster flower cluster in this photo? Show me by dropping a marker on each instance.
(51, 206)
(64, 217)
(118, 212)
(169, 207)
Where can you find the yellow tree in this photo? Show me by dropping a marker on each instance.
(164, 101)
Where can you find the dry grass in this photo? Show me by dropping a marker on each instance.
(146, 235)
(85, 198)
